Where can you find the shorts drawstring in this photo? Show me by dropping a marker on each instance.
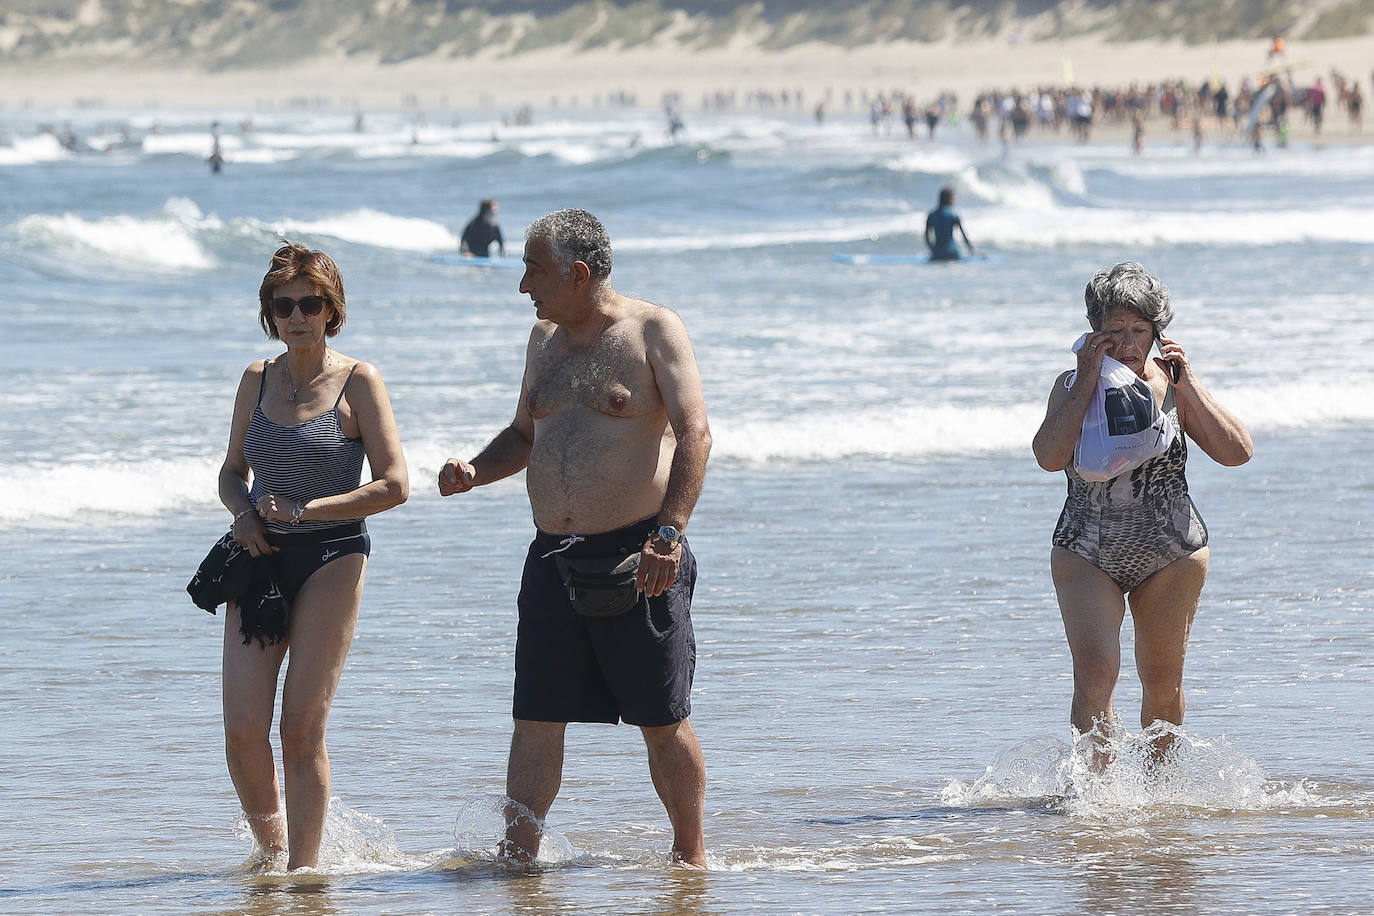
(564, 545)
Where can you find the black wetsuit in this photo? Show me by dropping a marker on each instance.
(479, 234)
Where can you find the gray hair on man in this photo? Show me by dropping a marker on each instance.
(574, 235)
(1128, 285)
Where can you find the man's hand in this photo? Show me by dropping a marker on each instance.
(456, 477)
(657, 566)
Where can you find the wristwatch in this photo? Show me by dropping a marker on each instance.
(668, 534)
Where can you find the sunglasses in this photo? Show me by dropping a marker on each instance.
(310, 306)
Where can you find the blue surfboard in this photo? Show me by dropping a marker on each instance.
(866, 259)
(462, 261)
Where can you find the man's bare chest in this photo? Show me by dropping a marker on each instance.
(609, 379)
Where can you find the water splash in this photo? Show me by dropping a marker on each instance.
(353, 843)
(481, 826)
(1111, 774)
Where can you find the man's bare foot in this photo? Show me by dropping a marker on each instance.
(697, 861)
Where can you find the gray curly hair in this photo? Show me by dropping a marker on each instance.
(1128, 285)
(574, 235)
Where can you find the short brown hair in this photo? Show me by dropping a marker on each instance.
(292, 261)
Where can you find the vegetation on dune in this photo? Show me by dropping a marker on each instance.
(1343, 21)
(220, 34)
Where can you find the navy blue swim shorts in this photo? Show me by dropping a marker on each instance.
(636, 667)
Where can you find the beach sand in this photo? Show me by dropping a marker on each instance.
(561, 78)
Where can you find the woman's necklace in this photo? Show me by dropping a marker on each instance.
(312, 378)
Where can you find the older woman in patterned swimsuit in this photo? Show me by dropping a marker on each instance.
(1137, 534)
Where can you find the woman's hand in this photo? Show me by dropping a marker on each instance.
(1098, 345)
(1173, 360)
(274, 508)
(250, 532)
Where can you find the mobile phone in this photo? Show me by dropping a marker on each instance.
(1173, 366)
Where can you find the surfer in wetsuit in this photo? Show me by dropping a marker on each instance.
(940, 225)
(481, 231)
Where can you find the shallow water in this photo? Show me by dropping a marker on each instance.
(883, 686)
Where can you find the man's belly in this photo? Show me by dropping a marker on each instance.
(590, 473)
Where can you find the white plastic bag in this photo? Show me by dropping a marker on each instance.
(1123, 428)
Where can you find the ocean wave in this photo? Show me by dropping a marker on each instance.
(1027, 217)
(1051, 226)
(45, 493)
(33, 150)
(42, 492)
(170, 240)
(366, 226)
(48, 493)
(1179, 163)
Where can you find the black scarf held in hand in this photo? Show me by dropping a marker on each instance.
(230, 573)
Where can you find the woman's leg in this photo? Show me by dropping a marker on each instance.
(323, 617)
(249, 691)
(1163, 607)
(1093, 607)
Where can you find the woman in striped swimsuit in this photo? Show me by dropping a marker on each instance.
(1139, 533)
(303, 422)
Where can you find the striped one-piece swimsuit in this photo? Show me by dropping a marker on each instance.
(302, 462)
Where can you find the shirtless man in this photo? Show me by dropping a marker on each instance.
(611, 429)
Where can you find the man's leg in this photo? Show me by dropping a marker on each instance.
(679, 775)
(534, 773)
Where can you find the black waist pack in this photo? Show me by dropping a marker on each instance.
(600, 586)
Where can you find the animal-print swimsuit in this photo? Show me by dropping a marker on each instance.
(1134, 525)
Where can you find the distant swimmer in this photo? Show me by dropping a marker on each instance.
(481, 231)
(675, 123)
(216, 154)
(940, 225)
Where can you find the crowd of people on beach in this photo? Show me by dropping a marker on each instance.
(1265, 105)
(1260, 106)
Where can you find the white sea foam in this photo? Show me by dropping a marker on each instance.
(41, 493)
(906, 432)
(55, 493)
(1027, 218)
(830, 231)
(32, 150)
(373, 227)
(198, 144)
(1180, 164)
(1054, 225)
(885, 852)
(45, 493)
(168, 241)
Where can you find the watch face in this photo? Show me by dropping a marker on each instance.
(669, 534)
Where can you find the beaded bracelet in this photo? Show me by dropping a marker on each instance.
(243, 513)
